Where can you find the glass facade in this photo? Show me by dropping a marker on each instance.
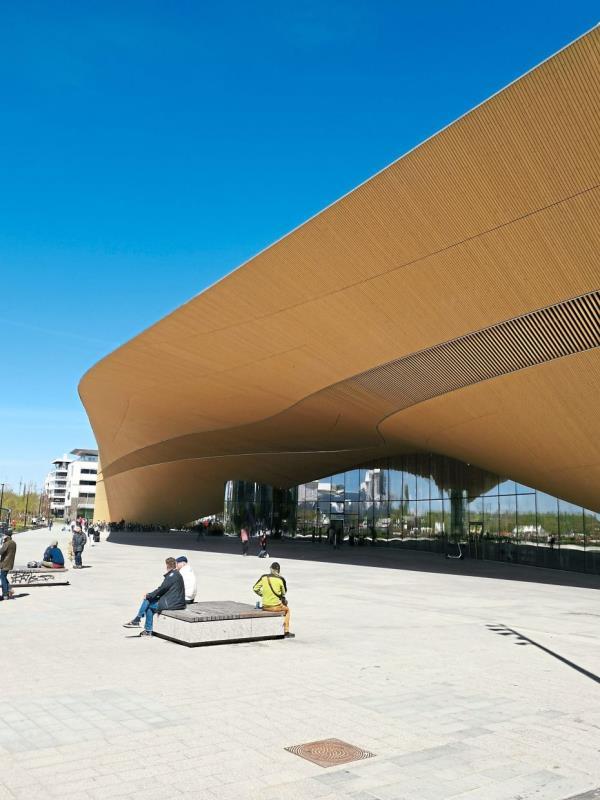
(260, 507)
(426, 502)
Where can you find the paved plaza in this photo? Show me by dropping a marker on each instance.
(420, 664)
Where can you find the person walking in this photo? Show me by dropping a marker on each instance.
(79, 541)
(50, 524)
(169, 595)
(7, 562)
(272, 589)
(245, 537)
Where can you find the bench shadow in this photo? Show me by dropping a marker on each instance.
(183, 543)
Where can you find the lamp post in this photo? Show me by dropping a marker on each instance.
(26, 508)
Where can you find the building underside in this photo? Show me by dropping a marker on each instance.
(449, 305)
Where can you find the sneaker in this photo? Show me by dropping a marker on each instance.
(133, 624)
(289, 635)
(146, 633)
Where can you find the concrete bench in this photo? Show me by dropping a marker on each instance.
(37, 576)
(218, 622)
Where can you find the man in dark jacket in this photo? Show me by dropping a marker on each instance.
(169, 595)
(79, 541)
(7, 562)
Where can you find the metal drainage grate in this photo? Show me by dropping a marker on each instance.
(329, 752)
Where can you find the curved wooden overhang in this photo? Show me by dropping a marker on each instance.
(448, 304)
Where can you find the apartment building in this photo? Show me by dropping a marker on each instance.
(71, 484)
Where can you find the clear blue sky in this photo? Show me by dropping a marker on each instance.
(148, 148)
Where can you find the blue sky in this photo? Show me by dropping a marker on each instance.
(148, 148)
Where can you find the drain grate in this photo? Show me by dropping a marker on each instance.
(329, 752)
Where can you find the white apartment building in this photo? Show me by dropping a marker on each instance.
(55, 485)
(71, 485)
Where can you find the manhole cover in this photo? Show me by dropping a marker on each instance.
(329, 752)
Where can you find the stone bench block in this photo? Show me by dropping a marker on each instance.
(37, 576)
(218, 622)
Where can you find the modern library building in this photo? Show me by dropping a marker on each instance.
(417, 366)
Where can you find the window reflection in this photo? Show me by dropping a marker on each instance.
(428, 502)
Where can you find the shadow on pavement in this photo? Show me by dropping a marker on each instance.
(182, 543)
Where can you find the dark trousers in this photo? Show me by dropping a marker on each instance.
(77, 555)
(4, 582)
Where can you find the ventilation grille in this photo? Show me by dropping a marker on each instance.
(572, 326)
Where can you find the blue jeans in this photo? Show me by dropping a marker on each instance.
(148, 610)
(77, 559)
(4, 582)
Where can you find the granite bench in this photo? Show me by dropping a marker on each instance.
(218, 622)
(37, 576)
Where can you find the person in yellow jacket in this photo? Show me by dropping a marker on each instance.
(272, 589)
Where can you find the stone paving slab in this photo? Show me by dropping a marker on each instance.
(399, 662)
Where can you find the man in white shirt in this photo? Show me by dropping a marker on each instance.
(189, 578)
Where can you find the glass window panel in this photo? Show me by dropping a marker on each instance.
(395, 484)
(422, 475)
(527, 526)
(311, 491)
(395, 512)
(365, 522)
(352, 484)
(351, 520)
(366, 484)
(493, 490)
(324, 489)
(475, 512)
(592, 528)
(338, 487)
(422, 527)
(507, 486)
(379, 482)
(437, 518)
(351, 507)
(508, 516)
(409, 489)
(381, 520)
(571, 525)
(522, 489)
(439, 475)
(547, 519)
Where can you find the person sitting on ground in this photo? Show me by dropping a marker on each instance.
(169, 595)
(189, 579)
(272, 589)
(53, 556)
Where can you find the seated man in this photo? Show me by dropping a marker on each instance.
(189, 579)
(272, 588)
(53, 556)
(169, 595)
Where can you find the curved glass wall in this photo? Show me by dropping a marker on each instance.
(260, 508)
(431, 502)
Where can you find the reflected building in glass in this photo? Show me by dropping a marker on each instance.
(425, 502)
